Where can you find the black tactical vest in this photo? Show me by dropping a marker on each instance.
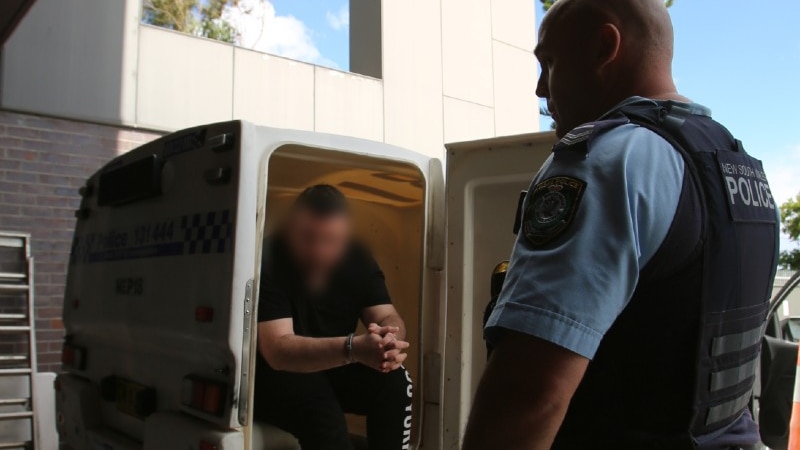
(681, 359)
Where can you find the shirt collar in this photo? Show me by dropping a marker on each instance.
(694, 108)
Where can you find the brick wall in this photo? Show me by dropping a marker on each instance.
(43, 162)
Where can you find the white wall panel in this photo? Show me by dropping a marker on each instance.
(273, 91)
(465, 121)
(467, 50)
(183, 81)
(516, 105)
(92, 60)
(347, 104)
(66, 59)
(412, 74)
(514, 22)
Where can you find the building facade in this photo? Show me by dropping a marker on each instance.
(82, 81)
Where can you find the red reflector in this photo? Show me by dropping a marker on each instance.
(198, 394)
(73, 357)
(212, 401)
(204, 395)
(205, 445)
(204, 314)
(68, 355)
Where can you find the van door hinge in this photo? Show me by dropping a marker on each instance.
(247, 332)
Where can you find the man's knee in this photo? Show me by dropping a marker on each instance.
(399, 385)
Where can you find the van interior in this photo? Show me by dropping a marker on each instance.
(388, 202)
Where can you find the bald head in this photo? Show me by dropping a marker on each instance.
(644, 25)
(599, 52)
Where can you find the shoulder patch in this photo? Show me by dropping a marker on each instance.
(577, 135)
(551, 207)
(576, 142)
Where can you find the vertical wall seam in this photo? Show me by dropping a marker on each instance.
(383, 75)
(314, 96)
(494, 88)
(441, 66)
(233, 82)
(136, 74)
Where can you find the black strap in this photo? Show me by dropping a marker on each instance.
(666, 122)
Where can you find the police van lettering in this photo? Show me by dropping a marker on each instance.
(748, 192)
(197, 233)
(129, 286)
(153, 233)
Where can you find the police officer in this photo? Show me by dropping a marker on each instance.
(637, 291)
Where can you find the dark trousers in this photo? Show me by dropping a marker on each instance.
(312, 406)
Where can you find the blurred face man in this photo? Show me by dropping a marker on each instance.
(318, 237)
(595, 54)
(317, 283)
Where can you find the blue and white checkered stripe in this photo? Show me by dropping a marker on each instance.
(209, 232)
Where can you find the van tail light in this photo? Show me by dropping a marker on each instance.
(204, 395)
(204, 314)
(205, 445)
(73, 356)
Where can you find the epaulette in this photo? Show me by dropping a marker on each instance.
(575, 144)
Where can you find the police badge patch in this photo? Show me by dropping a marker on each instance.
(552, 205)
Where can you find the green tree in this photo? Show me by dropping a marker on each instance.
(790, 217)
(198, 17)
(546, 4)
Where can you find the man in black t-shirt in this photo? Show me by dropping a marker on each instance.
(316, 284)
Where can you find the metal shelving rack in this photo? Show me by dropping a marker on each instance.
(18, 360)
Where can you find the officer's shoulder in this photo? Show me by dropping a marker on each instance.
(604, 135)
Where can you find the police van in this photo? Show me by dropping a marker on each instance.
(164, 275)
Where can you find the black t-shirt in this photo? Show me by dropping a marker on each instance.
(356, 284)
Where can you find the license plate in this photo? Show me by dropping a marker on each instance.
(134, 399)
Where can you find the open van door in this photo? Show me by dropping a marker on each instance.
(163, 280)
(779, 365)
(484, 181)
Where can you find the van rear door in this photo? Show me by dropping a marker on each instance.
(159, 294)
(484, 181)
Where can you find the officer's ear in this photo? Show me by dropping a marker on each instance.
(609, 41)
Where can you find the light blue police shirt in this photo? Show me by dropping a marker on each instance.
(570, 291)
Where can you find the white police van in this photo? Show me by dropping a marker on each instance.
(164, 277)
